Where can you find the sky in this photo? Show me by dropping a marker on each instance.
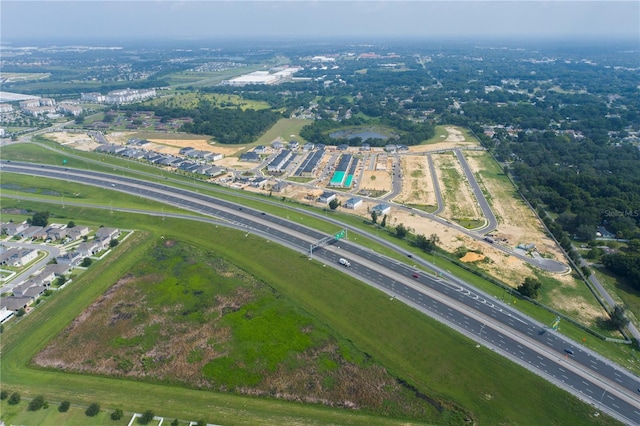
(206, 19)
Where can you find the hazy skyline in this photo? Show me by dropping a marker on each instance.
(120, 20)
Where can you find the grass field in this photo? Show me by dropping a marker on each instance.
(19, 415)
(286, 128)
(203, 79)
(190, 100)
(430, 356)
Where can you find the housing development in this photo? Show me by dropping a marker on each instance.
(336, 232)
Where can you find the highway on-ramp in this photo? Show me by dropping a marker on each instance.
(585, 374)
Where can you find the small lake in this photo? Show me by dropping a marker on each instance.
(362, 135)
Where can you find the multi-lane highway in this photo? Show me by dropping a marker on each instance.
(585, 374)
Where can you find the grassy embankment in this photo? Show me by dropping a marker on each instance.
(428, 355)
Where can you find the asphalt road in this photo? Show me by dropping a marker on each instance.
(436, 186)
(585, 374)
(492, 222)
(52, 252)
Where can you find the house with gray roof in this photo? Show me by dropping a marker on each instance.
(326, 197)
(250, 156)
(88, 248)
(107, 233)
(72, 258)
(11, 228)
(13, 303)
(77, 232)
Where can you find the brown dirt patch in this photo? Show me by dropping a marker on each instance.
(472, 257)
(417, 185)
(173, 146)
(454, 135)
(80, 141)
(376, 180)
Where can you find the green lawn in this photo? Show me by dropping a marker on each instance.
(284, 128)
(19, 415)
(190, 100)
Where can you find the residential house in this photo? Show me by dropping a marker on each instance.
(72, 258)
(261, 150)
(5, 314)
(353, 203)
(58, 270)
(77, 232)
(11, 228)
(33, 232)
(280, 186)
(259, 182)
(13, 303)
(326, 197)
(382, 209)
(56, 234)
(18, 257)
(250, 156)
(88, 248)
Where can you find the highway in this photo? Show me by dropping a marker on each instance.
(585, 374)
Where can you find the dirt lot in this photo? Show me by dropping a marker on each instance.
(417, 186)
(516, 222)
(459, 202)
(84, 142)
(455, 139)
(380, 178)
(376, 181)
(80, 141)
(172, 146)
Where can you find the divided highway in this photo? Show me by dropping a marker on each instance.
(596, 380)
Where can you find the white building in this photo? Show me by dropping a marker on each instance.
(70, 109)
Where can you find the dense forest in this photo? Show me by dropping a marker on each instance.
(226, 125)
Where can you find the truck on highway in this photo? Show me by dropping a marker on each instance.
(344, 262)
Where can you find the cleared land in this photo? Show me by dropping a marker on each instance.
(517, 223)
(447, 137)
(459, 202)
(378, 179)
(417, 185)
